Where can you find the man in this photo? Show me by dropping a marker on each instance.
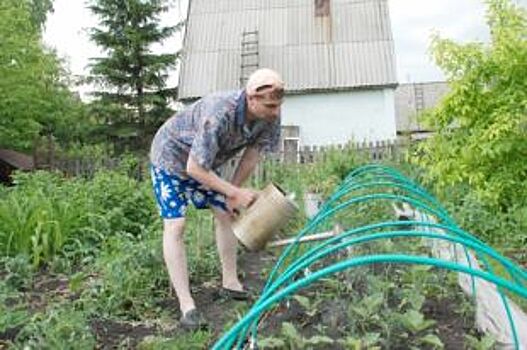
(185, 152)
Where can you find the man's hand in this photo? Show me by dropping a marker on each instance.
(241, 198)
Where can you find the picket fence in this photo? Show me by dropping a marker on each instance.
(87, 167)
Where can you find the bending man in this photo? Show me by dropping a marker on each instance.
(184, 154)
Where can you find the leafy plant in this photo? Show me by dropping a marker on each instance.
(58, 329)
(292, 339)
(369, 341)
(415, 322)
(481, 124)
(46, 214)
(485, 343)
(34, 97)
(191, 341)
(130, 278)
(310, 307)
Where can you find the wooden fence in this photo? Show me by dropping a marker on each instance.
(87, 167)
(371, 151)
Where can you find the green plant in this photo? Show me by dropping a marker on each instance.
(481, 124)
(310, 307)
(369, 341)
(58, 328)
(130, 77)
(17, 271)
(46, 214)
(292, 339)
(131, 277)
(13, 312)
(415, 322)
(191, 341)
(35, 99)
(485, 343)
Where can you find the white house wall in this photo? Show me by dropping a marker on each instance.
(339, 117)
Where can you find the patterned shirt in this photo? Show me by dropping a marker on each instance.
(212, 130)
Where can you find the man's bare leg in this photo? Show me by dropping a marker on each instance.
(227, 250)
(176, 261)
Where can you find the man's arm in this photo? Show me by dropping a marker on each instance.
(250, 157)
(236, 196)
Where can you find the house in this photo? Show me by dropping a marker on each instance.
(336, 57)
(12, 160)
(412, 99)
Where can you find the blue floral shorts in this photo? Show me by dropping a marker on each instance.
(173, 194)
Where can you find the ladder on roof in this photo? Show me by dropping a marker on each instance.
(250, 57)
(419, 97)
(419, 101)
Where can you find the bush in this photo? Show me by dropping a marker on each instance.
(45, 212)
(481, 124)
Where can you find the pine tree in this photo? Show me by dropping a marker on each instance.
(132, 78)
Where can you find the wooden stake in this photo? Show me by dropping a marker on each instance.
(314, 237)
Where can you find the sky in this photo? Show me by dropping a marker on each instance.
(412, 21)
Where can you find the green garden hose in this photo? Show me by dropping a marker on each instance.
(384, 181)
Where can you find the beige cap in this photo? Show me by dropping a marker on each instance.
(264, 77)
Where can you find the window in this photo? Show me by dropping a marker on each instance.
(321, 8)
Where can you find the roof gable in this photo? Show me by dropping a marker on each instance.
(350, 48)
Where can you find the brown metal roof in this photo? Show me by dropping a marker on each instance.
(352, 47)
(16, 159)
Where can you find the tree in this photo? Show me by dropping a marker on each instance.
(132, 77)
(39, 10)
(34, 98)
(481, 125)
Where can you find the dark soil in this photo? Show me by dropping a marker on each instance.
(111, 334)
(451, 325)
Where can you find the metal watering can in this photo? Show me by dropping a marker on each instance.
(255, 226)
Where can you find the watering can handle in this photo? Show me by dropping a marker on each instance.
(237, 212)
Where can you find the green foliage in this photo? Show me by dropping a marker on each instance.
(39, 11)
(310, 307)
(327, 173)
(59, 328)
(133, 101)
(189, 341)
(46, 214)
(200, 243)
(12, 314)
(292, 339)
(115, 234)
(131, 277)
(17, 272)
(485, 343)
(506, 229)
(369, 341)
(415, 322)
(482, 123)
(34, 98)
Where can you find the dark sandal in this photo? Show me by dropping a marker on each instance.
(193, 320)
(235, 294)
